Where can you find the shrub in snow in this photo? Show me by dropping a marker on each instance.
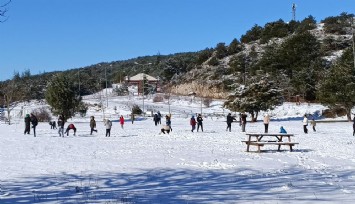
(136, 109)
(158, 98)
(42, 114)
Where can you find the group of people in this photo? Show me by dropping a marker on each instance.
(266, 121)
(30, 119)
(157, 118)
(107, 123)
(197, 121)
(305, 124)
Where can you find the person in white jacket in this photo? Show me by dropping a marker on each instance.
(305, 124)
(108, 125)
(266, 122)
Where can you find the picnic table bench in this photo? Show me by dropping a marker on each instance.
(278, 139)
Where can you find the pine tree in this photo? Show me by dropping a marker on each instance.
(221, 50)
(252, 35)
(234, 47)
(255, 97)
(338, 87)
(62, 95)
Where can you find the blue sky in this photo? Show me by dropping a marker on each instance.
(51, 35)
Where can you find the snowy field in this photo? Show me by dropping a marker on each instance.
(139, 165)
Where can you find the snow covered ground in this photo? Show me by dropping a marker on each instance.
(139, 165)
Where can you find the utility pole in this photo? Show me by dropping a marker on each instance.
(294, 12)
(106, 88)
(143, 82)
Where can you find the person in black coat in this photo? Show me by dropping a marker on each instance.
(354, 126)
(27, 124)
(230, 119)
(34, 122)
(199, 122)
(61, 123)
(156, 119)
(244, 121)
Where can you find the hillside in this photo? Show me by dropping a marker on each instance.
(296, 54)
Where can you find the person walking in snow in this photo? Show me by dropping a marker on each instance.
(60, 123)
(108, 125)
(193, 123)
(313, 123)
(121, 121)
(132, 118)
(305, 124)
(70, 127)
(354, 125)
(34, 122)
(156, 119)
(244, 121)
(230, 119)
(168, 122)
(240, 119)
(266, 121)
(53, 124)
(199, 122)
(92, 124)
(27, 124)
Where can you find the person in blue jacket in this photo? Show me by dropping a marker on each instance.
(282, 130)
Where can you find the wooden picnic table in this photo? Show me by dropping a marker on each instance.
(278, 139)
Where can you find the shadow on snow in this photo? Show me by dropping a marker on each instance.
(182, 186)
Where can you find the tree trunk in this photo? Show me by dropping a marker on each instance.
(254, 116)
(8, 114)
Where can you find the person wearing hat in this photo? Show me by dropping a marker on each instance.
(92, 124)
(27, 124)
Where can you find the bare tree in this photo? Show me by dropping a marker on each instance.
(12, 94)
(3, 11)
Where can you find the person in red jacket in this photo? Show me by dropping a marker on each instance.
(70, 127)
(193, 123)
(122, 121)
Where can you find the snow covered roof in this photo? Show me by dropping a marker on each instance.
(139, 77)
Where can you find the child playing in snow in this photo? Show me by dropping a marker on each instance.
(282, 130)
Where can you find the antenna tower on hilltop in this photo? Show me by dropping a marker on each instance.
(294, 12)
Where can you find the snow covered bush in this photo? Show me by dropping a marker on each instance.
(42, 114)
(158, 98)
